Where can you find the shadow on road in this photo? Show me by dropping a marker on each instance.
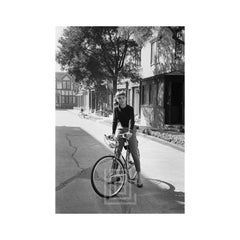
(77, 151)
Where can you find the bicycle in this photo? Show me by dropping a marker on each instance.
(81, 114)
(109, 173)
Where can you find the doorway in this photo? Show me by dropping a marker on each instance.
(174, 100)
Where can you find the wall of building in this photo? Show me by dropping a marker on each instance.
(83, 100)
(146, 69)
(159, 110)
(153, 113)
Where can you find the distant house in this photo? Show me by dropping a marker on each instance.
(65, 95)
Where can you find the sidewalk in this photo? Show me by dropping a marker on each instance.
(158, 161)
(108, 121)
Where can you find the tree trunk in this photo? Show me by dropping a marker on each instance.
(127, 92)
(114, 85)
(114, 90)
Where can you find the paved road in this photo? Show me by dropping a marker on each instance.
(79, 143)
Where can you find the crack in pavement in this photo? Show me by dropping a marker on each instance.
(84, 173)
(74, 147)
(64, 183)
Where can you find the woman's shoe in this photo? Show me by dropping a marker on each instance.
(139, 184)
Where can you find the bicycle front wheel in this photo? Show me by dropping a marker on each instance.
(108, 176)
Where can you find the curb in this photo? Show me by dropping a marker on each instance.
(155, 139)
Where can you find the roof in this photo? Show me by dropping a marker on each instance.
(60, 75)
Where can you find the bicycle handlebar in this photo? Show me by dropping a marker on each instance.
(122, 135)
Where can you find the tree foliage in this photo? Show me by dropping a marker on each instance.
(94, 54)
(170, 50)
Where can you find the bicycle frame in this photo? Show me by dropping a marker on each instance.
(127, 157)
(126, 160)
(108, 180)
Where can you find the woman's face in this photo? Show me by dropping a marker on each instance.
(121, 100)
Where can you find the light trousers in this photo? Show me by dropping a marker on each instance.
(133, 146)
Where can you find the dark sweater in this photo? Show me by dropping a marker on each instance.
(125, 116)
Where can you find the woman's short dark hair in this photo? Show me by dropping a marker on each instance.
(120, 93)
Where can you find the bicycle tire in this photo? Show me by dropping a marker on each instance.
(100, 184)
(132, 172)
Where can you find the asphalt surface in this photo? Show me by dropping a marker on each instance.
(79, 143)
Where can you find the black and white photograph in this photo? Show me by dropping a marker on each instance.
(120, 119)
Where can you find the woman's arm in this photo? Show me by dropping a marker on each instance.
(132, 120)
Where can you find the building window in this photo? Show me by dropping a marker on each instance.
(137, 58)
(74, 99)
(150, 94)
(144, 94)
(179, 47)
(70, 99)
(63, 100)
(57, 99)
(154, 53)
(68, 85)
(59, 85)
(142, 97)
(64, 85)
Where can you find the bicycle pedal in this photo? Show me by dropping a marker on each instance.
(131, 181)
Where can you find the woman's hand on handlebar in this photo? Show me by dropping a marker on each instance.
(111, 136)
(128, 135)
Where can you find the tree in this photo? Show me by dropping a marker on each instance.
(94, 54)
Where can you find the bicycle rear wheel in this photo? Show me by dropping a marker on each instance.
(132, 173)
(108, 176)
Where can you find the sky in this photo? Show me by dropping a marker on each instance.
(59, 32)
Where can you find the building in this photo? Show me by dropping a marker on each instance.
(162, 83)
(65, 91)
(158, 97)
(82, 99)
(133, 94)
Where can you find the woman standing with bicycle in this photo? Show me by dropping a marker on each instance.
(124, 114)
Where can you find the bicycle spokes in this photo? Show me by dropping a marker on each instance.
(108, 176)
